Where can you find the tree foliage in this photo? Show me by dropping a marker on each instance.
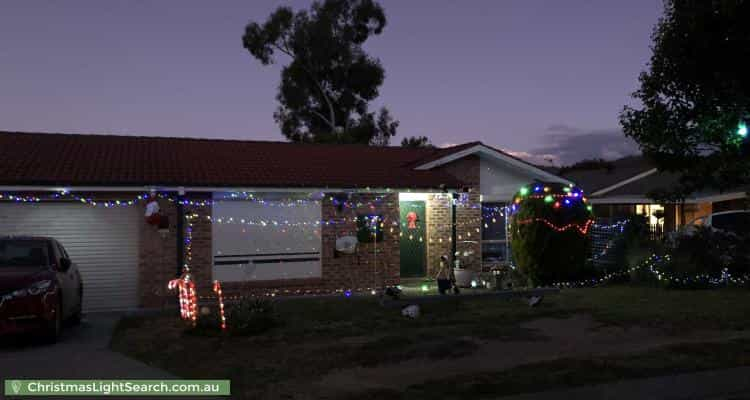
(327, 86)
(416, 141)
(542, 253)
(695, 92)
(587, 165)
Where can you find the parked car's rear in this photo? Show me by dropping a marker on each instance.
(736, 222)
(39, 286)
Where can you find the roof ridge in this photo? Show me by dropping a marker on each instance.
(199, 139)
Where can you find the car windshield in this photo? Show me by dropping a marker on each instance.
(23, 253)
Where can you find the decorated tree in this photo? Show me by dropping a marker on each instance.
(327, 87)
(693, 103)
(549, 232)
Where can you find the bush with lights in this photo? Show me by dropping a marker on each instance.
(549, 232)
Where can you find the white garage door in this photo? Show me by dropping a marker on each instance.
(103, 242)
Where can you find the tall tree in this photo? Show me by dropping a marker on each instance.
(695, 95)
(327, 86)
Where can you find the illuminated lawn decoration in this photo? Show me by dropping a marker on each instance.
(655, 266)
(187, 295)
(220, 297)
(549, 228)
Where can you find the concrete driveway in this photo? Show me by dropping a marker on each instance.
(82, 353)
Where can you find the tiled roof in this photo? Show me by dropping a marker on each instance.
(592, 180)
(94, 160)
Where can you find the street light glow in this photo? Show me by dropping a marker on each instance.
(742, 129)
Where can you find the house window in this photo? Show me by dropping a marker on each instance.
(654, 213)
(266, 237)
(494, 233)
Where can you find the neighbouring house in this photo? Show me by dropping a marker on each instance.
(261, 217)
(621, 188)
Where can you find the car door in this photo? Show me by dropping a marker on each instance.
(68, 282)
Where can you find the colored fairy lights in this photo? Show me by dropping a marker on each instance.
(581, 228)
(654, 265)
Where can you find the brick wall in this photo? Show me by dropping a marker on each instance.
(157, 258)
(201, 262)
(158, 254)
(438, 215)
(375, 264)
(468, 212)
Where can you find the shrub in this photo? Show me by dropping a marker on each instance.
(634, 244)
(549, 233)
(251, 316)
(708, 251)
(206, 324)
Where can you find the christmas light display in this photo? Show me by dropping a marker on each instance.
(220, 296)
(581, 228)
(187, 295)
(654, 266)
(468, 227)
(549, 223)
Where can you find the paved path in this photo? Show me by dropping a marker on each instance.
(82, 353)
(729, 384)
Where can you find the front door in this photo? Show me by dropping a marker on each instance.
(413, 238)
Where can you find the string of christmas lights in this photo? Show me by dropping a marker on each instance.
(581, 228)
(653, 266)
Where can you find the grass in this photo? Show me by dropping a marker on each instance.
(318, 336)
(678, 309)
(566, 373)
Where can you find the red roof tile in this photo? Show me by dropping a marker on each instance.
(93, 160)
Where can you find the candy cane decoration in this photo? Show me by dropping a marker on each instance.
(217, 290)
(188, 299)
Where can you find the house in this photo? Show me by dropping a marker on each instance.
(621, 188)
(261, 217)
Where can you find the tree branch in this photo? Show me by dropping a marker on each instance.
(332, 121)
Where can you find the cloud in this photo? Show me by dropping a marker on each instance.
(566, 144)
(538, 159)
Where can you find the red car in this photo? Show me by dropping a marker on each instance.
(40, 287)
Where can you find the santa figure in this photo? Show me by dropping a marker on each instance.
(152, 212)
(411, 220)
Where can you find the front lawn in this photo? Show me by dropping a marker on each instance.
(336, 348)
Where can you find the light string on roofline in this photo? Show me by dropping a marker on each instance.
(653, 266)
(469, 224)
(201, 202)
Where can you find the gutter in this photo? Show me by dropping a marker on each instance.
(208, 189)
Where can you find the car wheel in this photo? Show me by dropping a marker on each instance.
(52, 332)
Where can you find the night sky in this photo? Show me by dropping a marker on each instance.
(530, 76)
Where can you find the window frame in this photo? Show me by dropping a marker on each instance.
(505, 240)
